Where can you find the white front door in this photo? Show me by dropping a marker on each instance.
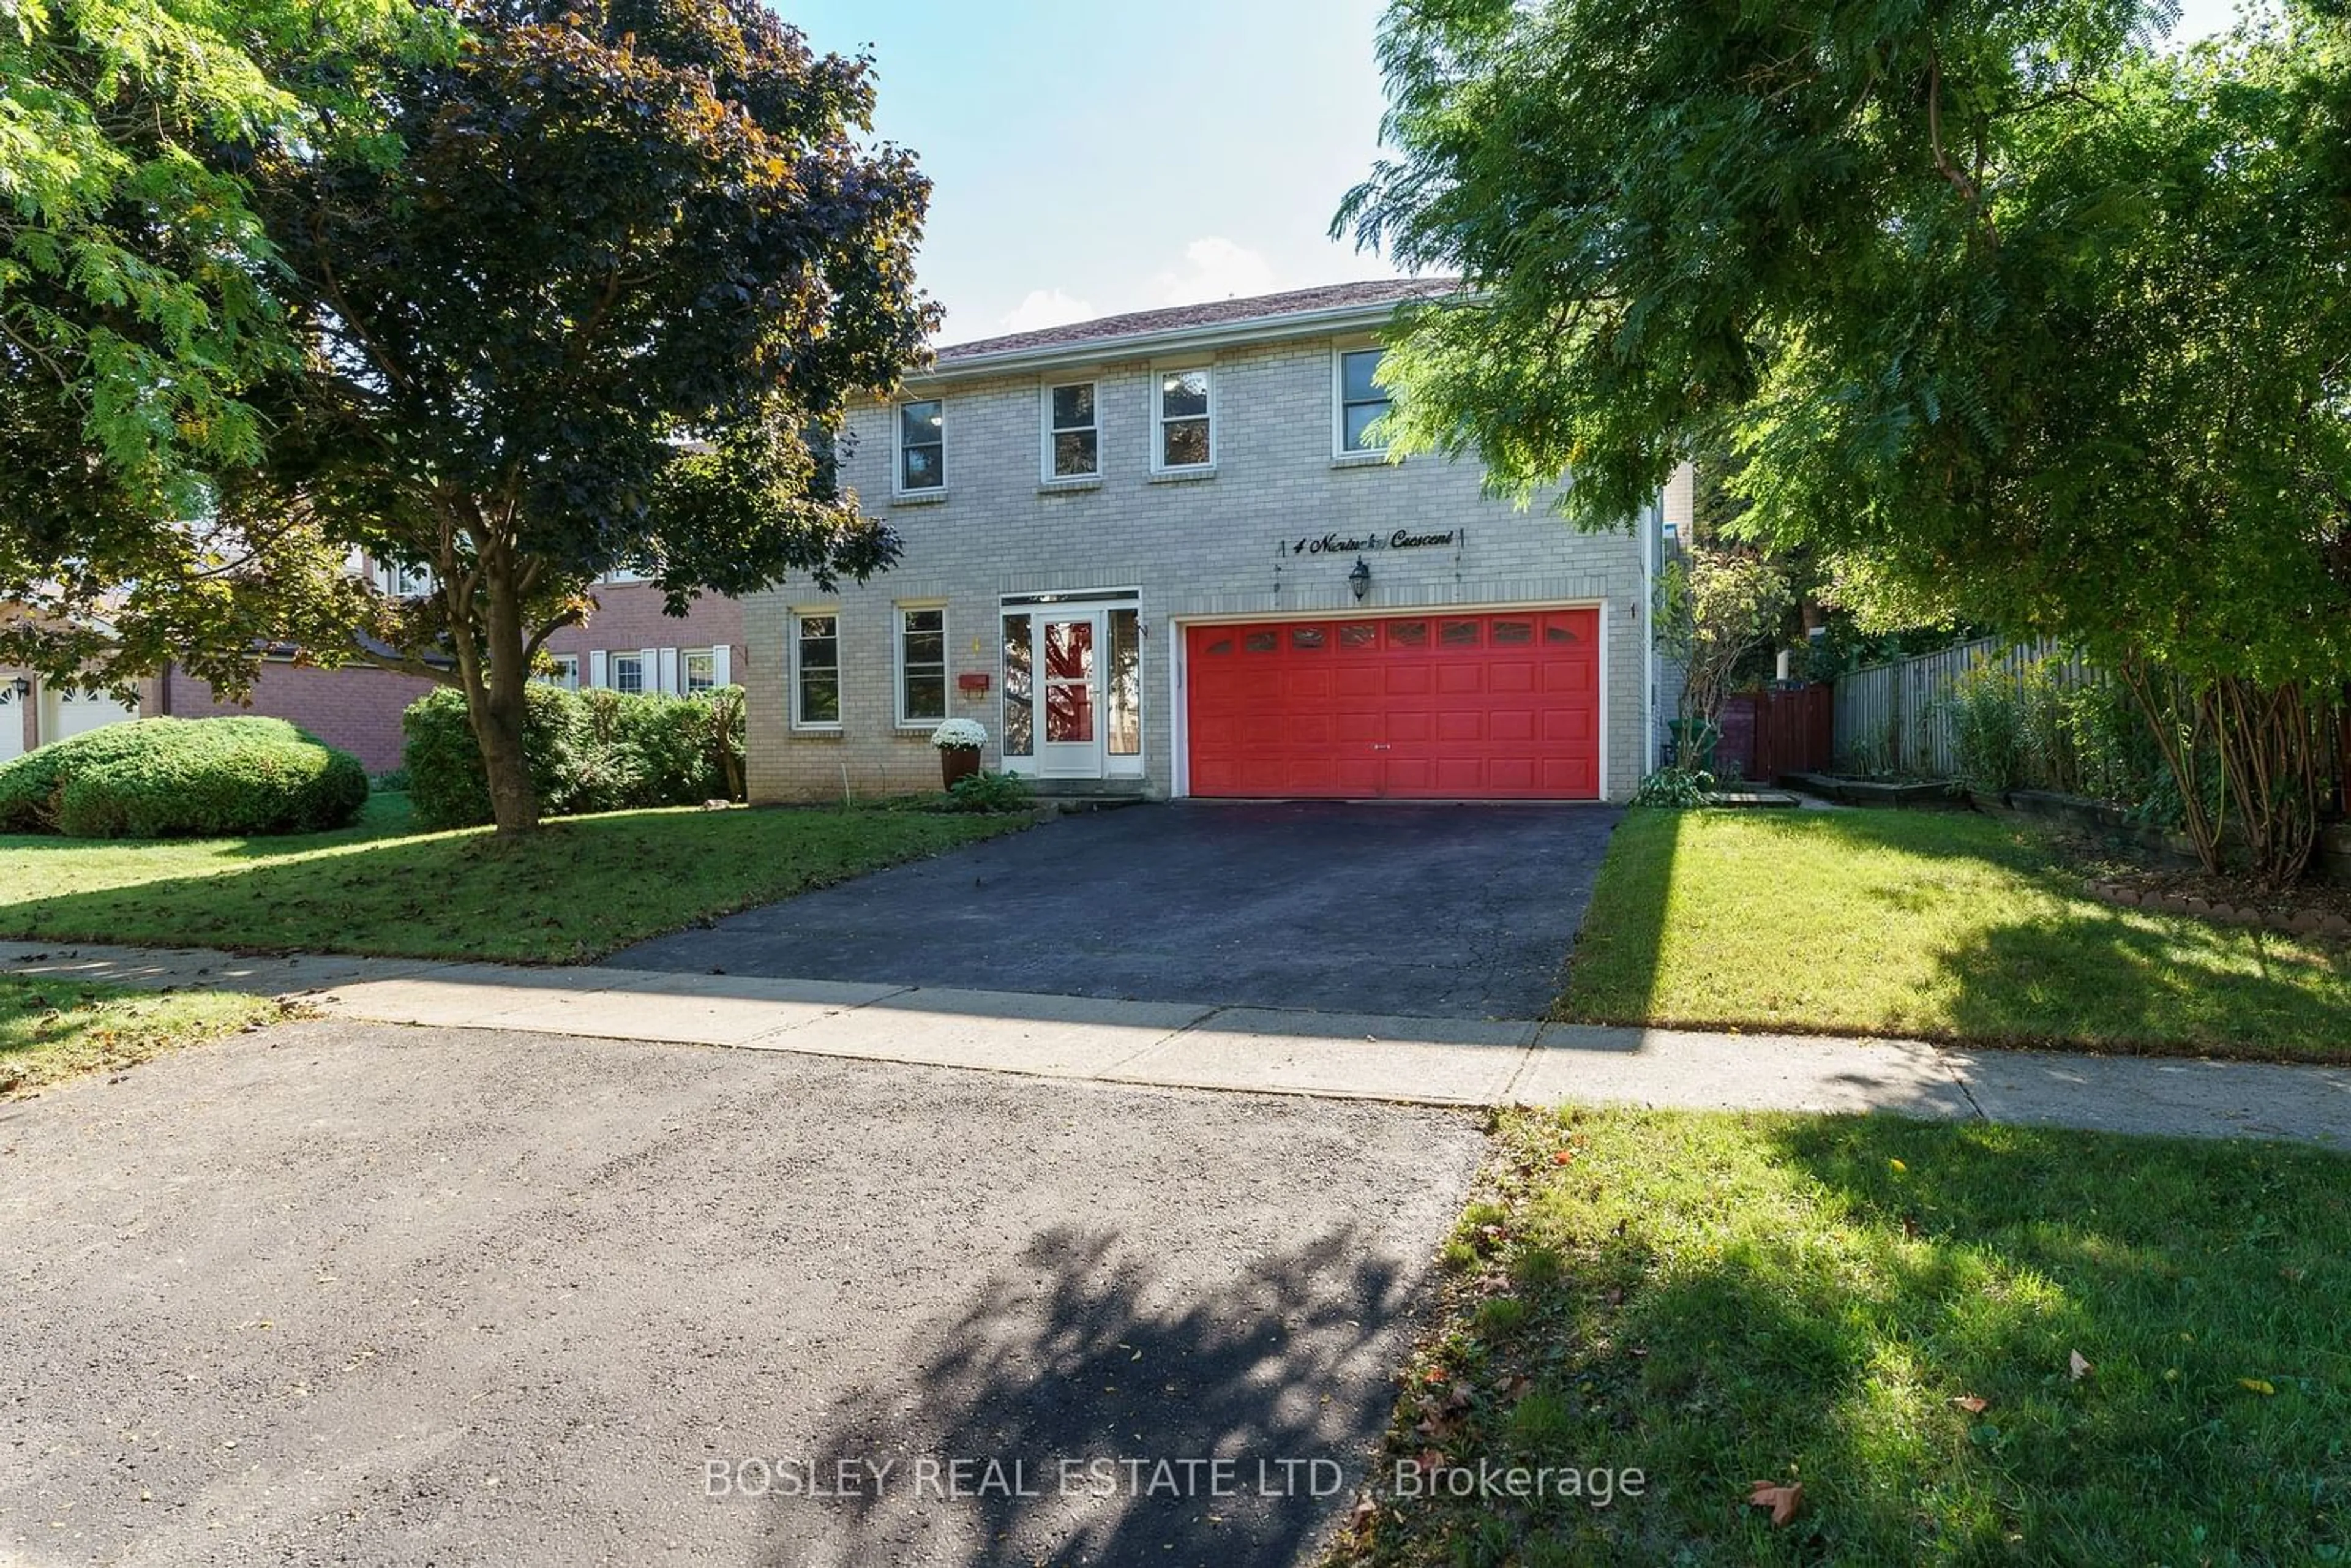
(1073, 687)
(1068, 662)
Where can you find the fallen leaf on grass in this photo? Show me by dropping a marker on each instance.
(2078, 1366)
(1437, 1428)
(1562, 1157)
(1972, 1403)
(1784, 1502)
(2256, 1385)
(1897, 1164)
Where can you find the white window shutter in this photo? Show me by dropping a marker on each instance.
(597, 675)
(648, 669)
(669, 681)
(720, 673)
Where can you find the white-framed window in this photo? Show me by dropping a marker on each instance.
(1073, 413)
(922, 445)
(404, 581)
(1182, 425)
(628, 674)
(815, 671)
(922, 663)
(624, 575)
(699, 667)
(1361, 400)
(566, 673)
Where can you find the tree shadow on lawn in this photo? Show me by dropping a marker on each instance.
(1623, 927)
(2165, 985)
(1808, 1310)
(1083, 1351)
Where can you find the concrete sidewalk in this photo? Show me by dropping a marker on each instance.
(1205, 1045)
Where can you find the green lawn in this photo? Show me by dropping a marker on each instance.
(1939, 925)
(577, 890)
(52, 1028)
(1718, 1301)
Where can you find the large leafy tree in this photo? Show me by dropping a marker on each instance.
(604, 312)
(137, 307)
(2011, 313)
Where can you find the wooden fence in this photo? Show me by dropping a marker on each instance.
(1783, 730)
(1896, 718)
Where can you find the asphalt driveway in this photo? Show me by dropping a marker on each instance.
(1434, 911)
(343, 1293)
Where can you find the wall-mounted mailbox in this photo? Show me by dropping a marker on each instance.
(974, 682)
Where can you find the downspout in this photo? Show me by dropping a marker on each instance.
(1652, 531)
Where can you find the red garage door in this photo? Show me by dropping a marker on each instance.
(1445, 707)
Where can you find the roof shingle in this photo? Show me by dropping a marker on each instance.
(1211, 313)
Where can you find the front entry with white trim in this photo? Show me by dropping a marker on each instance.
(1072, 686)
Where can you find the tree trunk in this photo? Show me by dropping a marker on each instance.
(496, 699)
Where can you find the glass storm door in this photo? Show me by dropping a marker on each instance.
(1070, 737)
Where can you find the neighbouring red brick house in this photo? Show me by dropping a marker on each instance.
(628, 645)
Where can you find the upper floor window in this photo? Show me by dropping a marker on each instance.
(815, 672)
(1185, 433)
(921, 664)
(405, 582)
(922, 445)
(1361, 401)
(1072, 432)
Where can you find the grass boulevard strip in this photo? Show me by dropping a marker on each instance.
(1924, 1343)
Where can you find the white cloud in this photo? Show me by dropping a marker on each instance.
(1215, 268)
(1046, 307)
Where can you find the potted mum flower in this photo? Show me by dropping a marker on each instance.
(958, 741)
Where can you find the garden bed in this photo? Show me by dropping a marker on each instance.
(2112, 824)
(1914, 795)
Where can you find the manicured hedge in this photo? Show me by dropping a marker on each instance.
(589, 751)
(177, 778)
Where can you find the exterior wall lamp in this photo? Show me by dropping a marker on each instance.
(24, 688)
(1360, 580)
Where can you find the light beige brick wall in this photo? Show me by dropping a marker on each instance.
(1192, 547)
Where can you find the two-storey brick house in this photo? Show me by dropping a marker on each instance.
(1156, 553)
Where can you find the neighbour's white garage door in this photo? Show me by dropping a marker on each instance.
(12, 720)
(65, 713)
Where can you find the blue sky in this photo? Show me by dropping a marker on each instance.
(1090, 158)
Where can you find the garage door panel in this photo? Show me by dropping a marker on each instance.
(1513, 727)
(1496, 705)
(1459, 724)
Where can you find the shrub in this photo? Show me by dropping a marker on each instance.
(1677, 788)
(175, 777)
(1988, 727)
(990, 792)
(447, 787)
(589, 751)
